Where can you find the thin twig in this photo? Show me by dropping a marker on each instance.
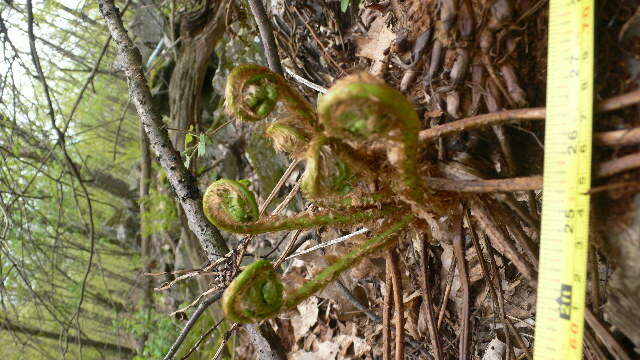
(386, 314)
(266, 35)
(619, 101)
(593, 345)
(474, 122)
(627, 185)
(515, 206)
(7, 222)
(279, 185)
(72, 166)
(323, 50)
(288, 198)
(618, 165)
(398, 302)
(242, 248)
(282, 257)
(428, 301)
(355, 302)
(479, 121)
(192, 321)
(487, 276)
(499, 240)
(485, 186)
(595, 280)
(447, 291)
(120, 121)
(603, 169)
(617, 137)
(306, 82)
(328, 243)
(497, 282)
(607, 339)
(201, 339)
(523, 240)
(92, 74)
(459, 252)
(195, 302)
(225, 339)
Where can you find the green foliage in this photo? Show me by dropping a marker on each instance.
(197, 149)
(158, 328)
(344, 4)
(208, 348)
(160, 213)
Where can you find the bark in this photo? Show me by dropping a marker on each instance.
(187, 79)
(6, 324)
(266, 34)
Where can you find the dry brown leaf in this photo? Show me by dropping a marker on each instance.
(326, 351)
(285, 332)
(411, 319)
(360, 346)
(310, 343)
(495, 350)
(307, 317)
(377, 40)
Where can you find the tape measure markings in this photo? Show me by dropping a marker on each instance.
(567, 169)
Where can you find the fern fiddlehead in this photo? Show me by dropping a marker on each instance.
(362, 108)
(231, 206)
(254, 295)
(258, 294)
(358, 111)
(252, 93)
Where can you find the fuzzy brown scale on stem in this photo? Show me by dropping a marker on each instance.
(288, 137)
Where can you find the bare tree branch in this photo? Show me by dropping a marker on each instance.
(266, 35)
(70, 163)
(181, 180)
(192, 321)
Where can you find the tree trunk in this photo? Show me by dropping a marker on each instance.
(196, 48)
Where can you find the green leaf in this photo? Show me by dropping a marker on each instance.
(344, 4)
(187, 161)
(189, 137)
(202, 145)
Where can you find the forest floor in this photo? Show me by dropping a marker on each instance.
(455, 60)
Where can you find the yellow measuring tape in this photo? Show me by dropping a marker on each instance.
(567, 179)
